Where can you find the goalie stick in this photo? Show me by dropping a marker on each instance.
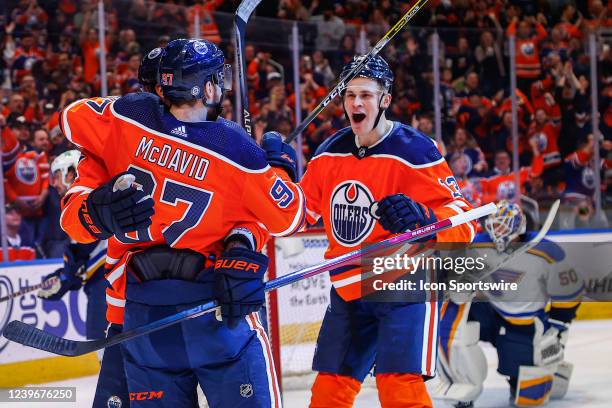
(28, 335)
(243, 13)
(399, 26)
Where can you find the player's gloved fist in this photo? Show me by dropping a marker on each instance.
(399, 213)
(239, 286)
(107, 212)
(279, 153)
(56, 284)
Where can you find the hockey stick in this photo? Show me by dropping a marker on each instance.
(42, 285)
(245, 9)
(28, 335)
(343, 81)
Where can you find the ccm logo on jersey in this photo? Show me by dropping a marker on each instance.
(146, 395)
(350, 212)
(234, 264)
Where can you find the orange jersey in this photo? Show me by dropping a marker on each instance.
(503, 186)
(528, 51)
(205, 178)
(343, 181)
(27, 179)
(547, 137)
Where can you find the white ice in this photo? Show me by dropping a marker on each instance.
(589, 349)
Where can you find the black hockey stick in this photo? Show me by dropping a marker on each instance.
(350, 75)
(31, 336)
(245, 9)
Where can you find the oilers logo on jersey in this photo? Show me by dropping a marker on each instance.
(528, 48)
(351, 217)
(26, 170)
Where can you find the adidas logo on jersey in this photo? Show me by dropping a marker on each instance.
(179, 131)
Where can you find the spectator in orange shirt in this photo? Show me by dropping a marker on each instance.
(19, 238)
(527, 50)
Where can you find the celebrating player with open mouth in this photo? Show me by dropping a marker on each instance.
(391, 164)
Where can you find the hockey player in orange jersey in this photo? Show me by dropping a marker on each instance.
(205, 203)
(377, 162)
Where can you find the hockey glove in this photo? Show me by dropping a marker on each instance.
(239, 286)
(58, 283)
(399, 213)
(106, 212)
(279, 153)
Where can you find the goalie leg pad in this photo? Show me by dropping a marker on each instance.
(402, 391)
(561, 380)
(533, 386)
(462, 366)
(332, 390)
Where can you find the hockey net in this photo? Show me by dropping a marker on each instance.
(295, 312)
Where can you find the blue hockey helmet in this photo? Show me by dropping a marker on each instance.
(375, 68)
(186, 66)
(147, 71)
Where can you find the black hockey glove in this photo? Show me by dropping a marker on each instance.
(107, 212)
(399, 213)
(279, 153)
(239, 286)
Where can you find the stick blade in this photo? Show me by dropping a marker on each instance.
(31, 336)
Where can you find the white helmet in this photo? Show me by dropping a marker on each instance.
(505, 224)
(65, 161)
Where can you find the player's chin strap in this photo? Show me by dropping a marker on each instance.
(214, 109)
(381, 110)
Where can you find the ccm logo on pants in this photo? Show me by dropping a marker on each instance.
(147, 395)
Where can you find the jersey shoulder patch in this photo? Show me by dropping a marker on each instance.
(410, 145)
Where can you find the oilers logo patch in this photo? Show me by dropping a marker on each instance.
(154, 53)
(114, 402)
(528, 49)
(26, 170)
(350, 213)
(200, 47)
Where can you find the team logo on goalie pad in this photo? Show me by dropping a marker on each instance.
(350, 213)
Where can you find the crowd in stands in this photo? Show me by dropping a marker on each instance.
(49, 57)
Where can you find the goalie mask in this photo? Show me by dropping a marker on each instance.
(63, 163)
(505, 224)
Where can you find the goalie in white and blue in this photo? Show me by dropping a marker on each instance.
(528, 327)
